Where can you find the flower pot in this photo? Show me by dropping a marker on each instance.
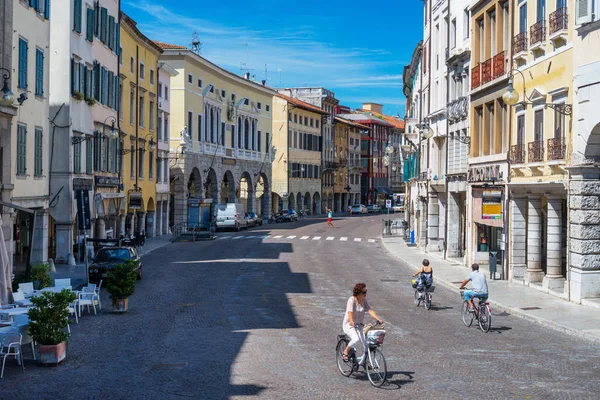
(52, 354)
(120, 305)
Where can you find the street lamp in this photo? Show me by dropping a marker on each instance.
(151, 143)
(389, 149)
(511, 96)
(97, 135)
(7, 97)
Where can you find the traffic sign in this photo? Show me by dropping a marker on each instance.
(388, 204)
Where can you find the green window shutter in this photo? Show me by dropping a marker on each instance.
(111, 32)
(82, 69)
(77, 158)
(88, 156)
(103, 85)
(96, 79)
(21, 150)
(38, 170)
(39, 72)
(103, 24)
(117, 92)
(110, 83)
(47, 9)
(77, 16)
(22, 64)
(89, 31)
(117, 39)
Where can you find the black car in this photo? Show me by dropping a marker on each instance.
(108, 257)
(288, 216)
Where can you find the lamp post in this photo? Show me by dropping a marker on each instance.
(511, 96)
(7, 97)
(97, 135)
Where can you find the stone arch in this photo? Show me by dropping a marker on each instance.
(150, 218)
(316, 204)
(592, 147)
(299, 202)
(307, 205)
(291, 201)
(178, 203)
(246, 192)
(151, 205)
(263, 196)
(227, 188)
(194, 184)
(211, 186)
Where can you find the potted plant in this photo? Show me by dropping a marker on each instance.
(90, 100)
(120, 283)
(40, 275)
(48, 318)
(78, 95)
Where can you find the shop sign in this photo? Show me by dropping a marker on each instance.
(107, 181)
(83, 184)
(135, 201)
(491, 204)
(489, 173)
(83, 209)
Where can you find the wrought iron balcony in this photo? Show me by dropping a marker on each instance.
(535, 151)
(458, 109)
(423, 176)
(517, 154)
(559, 20)
(476, 77)
(557, 149)
(498, 65)
(538, 32)
(519, 43)
(486, 71)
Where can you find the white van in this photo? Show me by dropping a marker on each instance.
(230, 215)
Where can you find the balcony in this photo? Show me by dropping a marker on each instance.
(557, 149)
(519, 46)
(458, 109)
(486, 71)
(537, 33)
(517, 154)
(498, 65)
(559, 25)
(535, 151)
(475, 77)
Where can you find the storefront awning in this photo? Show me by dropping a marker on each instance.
(383, 190)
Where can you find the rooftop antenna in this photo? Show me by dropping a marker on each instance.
(196, 43)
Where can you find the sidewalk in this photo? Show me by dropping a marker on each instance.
(77, 273)
(515, 299)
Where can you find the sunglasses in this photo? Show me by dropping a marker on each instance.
(365, 292)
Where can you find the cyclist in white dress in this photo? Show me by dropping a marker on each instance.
(356, 307)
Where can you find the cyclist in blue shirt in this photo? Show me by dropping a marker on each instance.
(479, 286)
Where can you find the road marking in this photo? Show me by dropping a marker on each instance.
(343, 239)
(357, 239)
(265, 236)
(371, 240)
(317, 238)
(330, 238)
(291, 237)
(304, 237)
(238, 237)
(225, 237)
(277, 237)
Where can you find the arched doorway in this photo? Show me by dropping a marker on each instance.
(228, 190)
(316, 203)
(292, 201)
(150, 222)
(211, 187)
(263, 196)
(307, 204)
(246, 192)
(195, 184)
(177, 205)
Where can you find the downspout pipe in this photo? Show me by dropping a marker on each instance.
(137, 116)
(447, 53)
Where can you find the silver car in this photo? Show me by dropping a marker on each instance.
(359, 209)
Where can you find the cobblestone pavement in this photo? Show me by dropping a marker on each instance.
(259, 318)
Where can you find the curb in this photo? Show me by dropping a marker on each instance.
(511, 310)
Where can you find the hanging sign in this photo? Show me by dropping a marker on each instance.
(491, 204)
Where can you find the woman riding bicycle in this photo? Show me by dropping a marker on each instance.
(356, 306)
(426, 276)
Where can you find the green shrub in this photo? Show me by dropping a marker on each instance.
(121, 280)
(41, 272)
(20, 277)
(49, 316)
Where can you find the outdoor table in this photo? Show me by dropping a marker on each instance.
(14, 311)
(24, 303)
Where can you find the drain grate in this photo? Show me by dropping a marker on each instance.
(389, 280)
(530, 308)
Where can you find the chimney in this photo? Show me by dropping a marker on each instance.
(247, 75)
(264, 82)
(378, 108)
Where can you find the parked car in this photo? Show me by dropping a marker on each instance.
(108, 257)
(398, 208)
(230, 215)
(250, 220)
(373, 208)
(257, 219)
(287, 216)
(359, 209)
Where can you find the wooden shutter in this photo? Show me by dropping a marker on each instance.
(583, 11)
(77, 16)
(39, 73)
(111, 32)
(116, 92)
(104, 23)
(22, 64)
(89, 31)
(82, 82)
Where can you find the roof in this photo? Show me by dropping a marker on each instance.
(345, 121)
(365, 119)
(168, 46)
(395, 122)
(127, 21)
(302, 104)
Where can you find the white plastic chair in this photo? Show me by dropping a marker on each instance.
(21, 322)
(97, 296)
(73, 307)
(59, 283)
(86, 298)
(11, 346)
(19, 299)
(26, 288)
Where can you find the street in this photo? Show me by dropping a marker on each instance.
(249, 315)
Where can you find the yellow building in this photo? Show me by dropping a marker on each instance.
(220, 145)
(540, 141)
(139, 82)
(297, 170)
(346, 186)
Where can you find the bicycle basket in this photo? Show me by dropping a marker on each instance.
(375, 337)
(413, 282)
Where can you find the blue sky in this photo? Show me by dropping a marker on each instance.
(357, 50)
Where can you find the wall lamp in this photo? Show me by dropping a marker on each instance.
(97, 135)
(463, 139)
(7, 97)
(511, 96)
(426, 130)
(151, 142)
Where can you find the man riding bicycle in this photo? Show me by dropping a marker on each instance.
(479, 287)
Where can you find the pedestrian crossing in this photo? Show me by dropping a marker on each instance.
(343, 239)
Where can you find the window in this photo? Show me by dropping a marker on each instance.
(159, 90)
(523, 18)
(141, 117)
(103, 24)
(559, 125)
(38, 151)
(190, 122)
(466, 24)
(453, 34)
(317, 122)
(152, 77)
(141, 153)
(77, 16)
(151, 166)
(232, 96)
(312, 122)
(142, 71)
(223, 93)
(151, 115)
(88, 156)
(166, 128)
(493, 42)
(109, 155)
(259, 105)
(120, 99)
(200, 127)
(77, 158)
(505, 27)
(539, 126)
(584, 11)
(21, 150)
(22, 64)
(132, 107)
(268, 108)
(541, 10)
(132, 161)
(131, 65)
(190, 78)
(246, 101)
(306, 121)
(166, 93)
(521, 129)
(39, 72)
(111, 33)
(159, 127)
(89, 31)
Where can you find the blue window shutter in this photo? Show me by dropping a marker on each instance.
(22, 64)
(32, 3)
(102, 80)
(72, 75)
(39, 73)
(116, 92)
(111, 32)
(89, 31)
(118, 38)
(47, 9)
(77, 16)
(103, 25)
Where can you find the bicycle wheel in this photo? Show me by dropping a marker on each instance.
(467, 317)
(376, 367)
(485, 318)
(345, 367)
(417, 299)
(427, 301)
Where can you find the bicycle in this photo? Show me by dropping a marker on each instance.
(482, 313)
(425, 296)
(372, 359)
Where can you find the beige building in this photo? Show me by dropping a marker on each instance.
(297, 170)
(347, 184)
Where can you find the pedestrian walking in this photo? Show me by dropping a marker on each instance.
(330, 218)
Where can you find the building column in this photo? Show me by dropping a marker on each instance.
(64, 243)
(180, 206)
(518, 238)
(433, 221)
(122, 225)
(534, 271)
(39, 252)
(141, 223)
(150, 223)
(100, 231)
(554, 279)
(132, 224)
(453, 228)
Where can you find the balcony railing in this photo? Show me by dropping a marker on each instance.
(486, 71)
(557, 149)
(423, 176)
(517, 154)
(498, 65)
(538, 32)
(476, 77)
(458, 109)
(520, 43)
(559, 20)
(535, 151)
